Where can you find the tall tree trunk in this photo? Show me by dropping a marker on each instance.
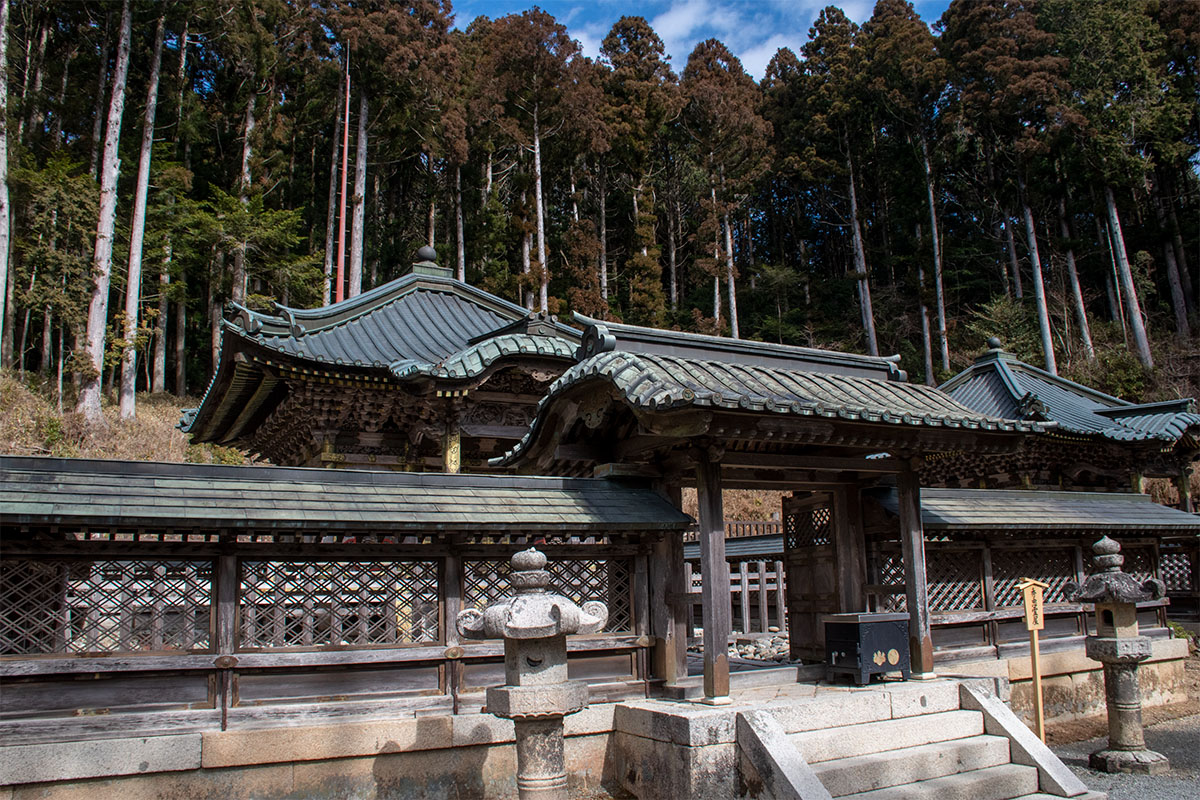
(1180, 254)
(1085, 331)
(358, 235)
(943, 341)
(672, 216)
(860, 268)
(1015, 265)
(57, 123)
(602, 199)
(1039, 286)
(214, 323)
(98, 113)
(137, 235)
(331, 216)
(31, 95)
(461, 239)
(5, 212)
(729, 277)
(181, 347)
(158, 381)
(47, 341)
(1179, 302)
(89, 395)
(526, 268)
(543, 257)
(1133, 309)
(238, 292)
(716, 259)
(926, 340)
(340, 276)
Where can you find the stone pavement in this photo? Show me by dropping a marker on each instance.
(1178, 740)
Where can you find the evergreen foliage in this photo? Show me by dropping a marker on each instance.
(1022, 168)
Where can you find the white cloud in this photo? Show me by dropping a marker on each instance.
(755, 58)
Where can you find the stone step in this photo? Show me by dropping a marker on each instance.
(849, 741)
(847, 776)
(1042, 796)
(1004, 782)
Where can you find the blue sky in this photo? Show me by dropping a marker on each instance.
(752, 29)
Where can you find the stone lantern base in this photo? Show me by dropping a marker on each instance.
(1138, 762)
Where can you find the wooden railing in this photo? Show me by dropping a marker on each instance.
(757, 594)
(740, 528)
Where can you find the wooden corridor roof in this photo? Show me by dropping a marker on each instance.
(58, 491)
(1026, 511)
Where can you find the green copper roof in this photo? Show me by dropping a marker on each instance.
(1001, 385)
(60, 491)
(1019, 510)
(660, 383)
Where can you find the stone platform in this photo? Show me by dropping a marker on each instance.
(878, 741)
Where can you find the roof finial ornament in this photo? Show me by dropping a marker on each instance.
(994, 343)
(427, 253)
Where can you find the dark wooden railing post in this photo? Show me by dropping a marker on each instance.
(716, 610)
(912, 540)
(226, 630)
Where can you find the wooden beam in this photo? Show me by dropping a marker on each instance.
(912, 541)
(716, 610)
(738, 460)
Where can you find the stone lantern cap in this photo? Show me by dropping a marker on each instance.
(1109, 584)
(533, 612)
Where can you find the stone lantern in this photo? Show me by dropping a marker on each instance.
(1118, 646)
(534, 624)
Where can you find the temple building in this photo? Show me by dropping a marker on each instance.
(225, 607)
(1098, 441)
(422, 373)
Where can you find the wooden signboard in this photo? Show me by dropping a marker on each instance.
(1035, 620)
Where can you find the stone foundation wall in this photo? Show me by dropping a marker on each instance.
(1073, 684)
(468, 756)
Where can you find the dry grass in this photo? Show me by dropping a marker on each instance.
(31, 424)
(740, 504)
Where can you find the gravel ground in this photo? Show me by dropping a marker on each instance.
(1178, 740)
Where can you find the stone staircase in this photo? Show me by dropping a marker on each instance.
(936, 741)
(941, 739)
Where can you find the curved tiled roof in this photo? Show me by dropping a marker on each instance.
(1001, 385)
(658, 382)
(475, 359)
(416, 327)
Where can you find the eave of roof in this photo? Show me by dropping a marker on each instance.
(52, 491)
(1076, 408)
(656, 341)
(1024, 510)
(657, 383)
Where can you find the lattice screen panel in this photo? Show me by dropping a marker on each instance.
(1139, 562)
(80, 606)
(1176, 567)
(1055, 566)
(891, 573)
(808, 527)
(955, 579)
(334, 603)
(606, 580)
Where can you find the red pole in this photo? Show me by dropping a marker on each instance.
(341, 264)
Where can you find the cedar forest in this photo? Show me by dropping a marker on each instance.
(1023, 168)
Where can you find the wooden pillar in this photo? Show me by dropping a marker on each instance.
(716, 609)
(916, 589)
(226, 630)
(452, 448)
(1183, 483)
(669, 602)
(451, 590)
(850, 550)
